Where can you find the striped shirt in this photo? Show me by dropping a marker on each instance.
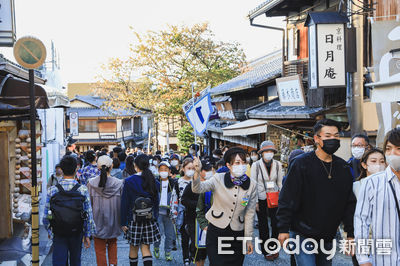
(376, 210)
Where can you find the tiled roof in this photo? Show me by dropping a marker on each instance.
(92, 100)
(98, 112)
(266, 68)
(221, 99)
(217, 125)
(274, 110)
(260, 9)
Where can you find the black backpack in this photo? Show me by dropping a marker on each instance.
(143, 210)
(67, 211)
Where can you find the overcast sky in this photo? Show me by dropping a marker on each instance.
(86, 33)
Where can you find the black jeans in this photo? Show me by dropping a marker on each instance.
(188, 241)
(263, 228)
(235, 259)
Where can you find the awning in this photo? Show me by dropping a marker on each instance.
(247, 127)
(14, 96)
(246, 141)
(273, 110)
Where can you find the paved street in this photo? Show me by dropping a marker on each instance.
(89, 257)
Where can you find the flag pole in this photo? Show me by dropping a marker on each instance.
(195, 134)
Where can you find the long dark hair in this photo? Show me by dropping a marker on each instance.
(364, 159)
(129, 165)
(184, 163)
(90, 156)
(103, 176)
(149, 182)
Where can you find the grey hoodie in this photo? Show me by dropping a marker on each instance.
(106, 205)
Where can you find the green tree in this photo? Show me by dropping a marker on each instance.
(185, 138)
(166, 63)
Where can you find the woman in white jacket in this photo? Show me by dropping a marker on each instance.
(232, 211)
(268, 174)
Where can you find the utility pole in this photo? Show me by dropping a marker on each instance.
(356, 122)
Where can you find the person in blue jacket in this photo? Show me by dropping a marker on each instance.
(140, 234)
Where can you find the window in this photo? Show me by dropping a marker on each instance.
(137, 125)
(126, 124)
(107, 126)
(87, 125)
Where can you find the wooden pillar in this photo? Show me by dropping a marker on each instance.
(5, 195)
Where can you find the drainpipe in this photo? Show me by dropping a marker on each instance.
(356, 124)
(283, 39)
(349, 76)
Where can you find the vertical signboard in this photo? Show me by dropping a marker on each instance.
(313, 57)
(7, 23)
(331, 56)
(327, 50)
(74, 124)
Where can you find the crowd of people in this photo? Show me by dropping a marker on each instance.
(195, 200)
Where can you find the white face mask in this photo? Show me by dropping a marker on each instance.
(375, 168)
(163, 174)
(394, 162)
(268, 156)
(189, 173)
(239, 170)
(216, 156)
(155, 162)
(247, 159)
(209, 174)
(357, 152)
(254, 158)
(191, 151)
(174, 163)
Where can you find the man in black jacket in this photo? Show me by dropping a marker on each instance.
(317, 196)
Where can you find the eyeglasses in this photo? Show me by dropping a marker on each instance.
(358, 146)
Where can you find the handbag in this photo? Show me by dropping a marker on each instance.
(272, 197)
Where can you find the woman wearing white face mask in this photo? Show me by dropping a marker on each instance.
(176, 168)
(372, 162)
(178, 210)
(233, 207)
(166, 187)
(253, 157)
(268, 174)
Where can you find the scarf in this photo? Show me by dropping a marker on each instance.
(238, 181)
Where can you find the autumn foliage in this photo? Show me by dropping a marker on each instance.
(163, 65)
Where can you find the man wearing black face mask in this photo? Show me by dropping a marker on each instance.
(317, 196)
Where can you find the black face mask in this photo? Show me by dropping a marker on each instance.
(331, 146)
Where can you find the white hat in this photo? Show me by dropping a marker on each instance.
(104, 160)
(164, 163)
